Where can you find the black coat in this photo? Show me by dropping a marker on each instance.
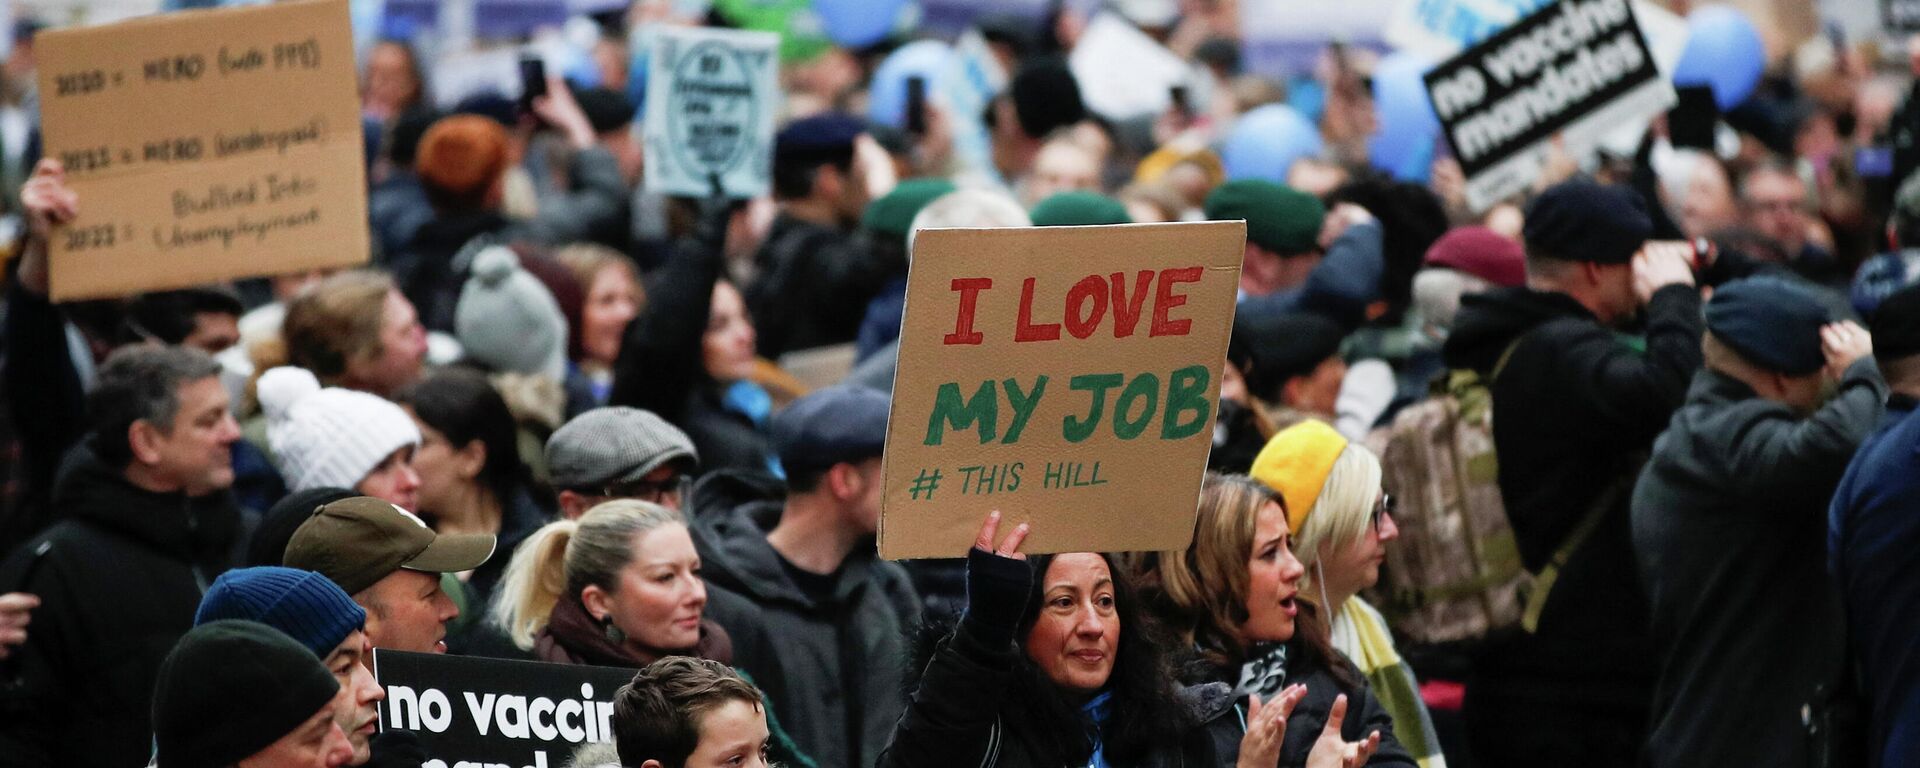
(1575, 410)
(660, 367)
(1728, 522)
(814, 286)
(119, 581)
(958, 717)
(1365, 714)
(844, 657)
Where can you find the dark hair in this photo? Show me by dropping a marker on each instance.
(463, 405)
(794, 170)
(403, 138)
(657, 716)
(1411, 218)
(169, 317)
(140, 383)
(1145, 713)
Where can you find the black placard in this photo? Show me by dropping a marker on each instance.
(494, 712)
(1518, 88)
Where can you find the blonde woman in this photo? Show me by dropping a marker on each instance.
(619, 587)
(1233, 598)
(1341, 522)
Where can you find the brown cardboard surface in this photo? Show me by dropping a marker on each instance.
(1125, 485)
(205, 145)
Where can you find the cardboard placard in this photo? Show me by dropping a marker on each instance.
(711, 98)
(474, 711)
(1576, 69)
(1066, 376)
(204, 146)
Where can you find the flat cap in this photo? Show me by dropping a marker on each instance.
(840, 424)
(612, 445)
(1079, 208)
(1771, 322)
(1280, 219)
(1582, 221)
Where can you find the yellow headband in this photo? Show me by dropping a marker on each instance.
(1296, 463)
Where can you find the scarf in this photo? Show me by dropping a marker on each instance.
(1264, 673)
(1098, 708)
(572, 636)
(1360, 632)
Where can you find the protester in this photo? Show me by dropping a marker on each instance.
(613, 299)
(1775, 202)
(1575, 408)
(273, 699)
(1870, 536)
(1341, 522)
(312, 610)
(393, 81)
(1288, 266)
(619, 453)
(352, 330)
(682, 711)
(1053, 663)
(389, 561)
(889, 222)
(471, 478)
(812, 272)
(146, 521)
(1042, 97)
(1725, 517)
(631, 595)
(690, 355)
(808, 562)
(508, 322)
(1294, 369)
(339, 438)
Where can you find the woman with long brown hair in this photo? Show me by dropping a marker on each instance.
(1233, 598)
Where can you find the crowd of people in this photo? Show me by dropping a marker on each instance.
(1619, 470)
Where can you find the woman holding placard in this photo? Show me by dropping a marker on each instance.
(1054, 664)
(1234, 597)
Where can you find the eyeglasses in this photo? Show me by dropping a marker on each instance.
(1382, 509)
(648, 490)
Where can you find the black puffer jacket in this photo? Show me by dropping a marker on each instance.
(119, 580)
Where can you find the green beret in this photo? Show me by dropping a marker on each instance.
(1079, 209)
(892, 214)
(1280, 219)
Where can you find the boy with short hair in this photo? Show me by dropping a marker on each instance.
(683, 712)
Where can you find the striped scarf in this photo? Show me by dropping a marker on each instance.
(1361, 633)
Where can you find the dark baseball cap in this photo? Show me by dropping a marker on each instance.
(359, 541)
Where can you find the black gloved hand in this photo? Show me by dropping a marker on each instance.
(396, 749)
(997, 590)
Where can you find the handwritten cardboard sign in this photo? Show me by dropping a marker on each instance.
(711, 98)
(205, 145)
(1574, 69)
(1066, 376)
(480, 712)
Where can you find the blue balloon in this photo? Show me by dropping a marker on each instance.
(887, 97)
(1403, 145)
(1265, 142)
(1723, 51)
(857, 23)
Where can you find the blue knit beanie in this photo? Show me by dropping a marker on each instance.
(305, 605)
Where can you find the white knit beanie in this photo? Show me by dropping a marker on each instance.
(507, 319)
(332, 437)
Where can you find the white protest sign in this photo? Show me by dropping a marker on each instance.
(1123, 73)
(711, 98)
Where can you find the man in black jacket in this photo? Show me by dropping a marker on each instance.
(808, 562)
(1576, 406)
(148, 525)
(1727, 524)
(815, 277)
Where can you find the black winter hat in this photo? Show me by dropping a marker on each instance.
(269, 544)
(606, 109)
(1275, 348)
(232, 688)
(1582, 221)
(1896, 326)
(1046, 97)
(1771, 322)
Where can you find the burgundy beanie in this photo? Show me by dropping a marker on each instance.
(1481, 252)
